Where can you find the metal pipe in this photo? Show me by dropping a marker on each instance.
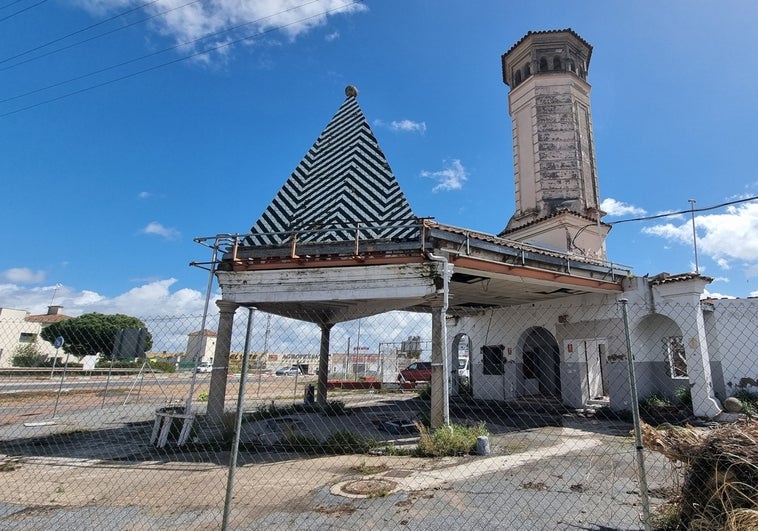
(636, 417)
(237, 424)
(694, 234)
(211, 272)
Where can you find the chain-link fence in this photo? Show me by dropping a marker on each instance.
(541, 435)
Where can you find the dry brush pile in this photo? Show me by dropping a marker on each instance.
(720, 487)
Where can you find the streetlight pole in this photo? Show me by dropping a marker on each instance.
(694, 234)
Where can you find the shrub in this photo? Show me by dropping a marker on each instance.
(163, 366)
(335, 408)
(683, 396)
(653, 402)
(345, 442)
(28, 355)
(448, 440)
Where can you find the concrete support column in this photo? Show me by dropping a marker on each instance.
(440, 413)
(704, 402)
(323, 365)
(217, 391)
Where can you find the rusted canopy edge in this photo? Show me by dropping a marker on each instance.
(309, 263)
(524, 271)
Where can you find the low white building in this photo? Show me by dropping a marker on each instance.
(201, 345)
(19, 328)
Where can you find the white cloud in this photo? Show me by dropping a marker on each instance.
(450, 178)
(617, 208)
(144, 195)
(715, 295)
(23, 275)
(725, 237)
(408, 125)
(209, 21)
(159, 230)
(148, 300)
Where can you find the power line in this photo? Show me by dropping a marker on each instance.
(88, 39)
(6, 6)
(669, 214)
(124, 63)
(22, 10)
(180, 59)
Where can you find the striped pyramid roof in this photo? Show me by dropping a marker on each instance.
(344, 182)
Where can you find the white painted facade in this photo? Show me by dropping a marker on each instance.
(201, 345)
(582, 351)
(16, 331)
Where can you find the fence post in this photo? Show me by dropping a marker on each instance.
(237, 423)
(636, 416)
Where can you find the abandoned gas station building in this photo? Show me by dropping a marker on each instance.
(539, 303)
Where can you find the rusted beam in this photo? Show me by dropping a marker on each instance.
(525, 271)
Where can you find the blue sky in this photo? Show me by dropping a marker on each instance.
(118, 151)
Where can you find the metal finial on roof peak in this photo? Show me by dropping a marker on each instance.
(351, 91)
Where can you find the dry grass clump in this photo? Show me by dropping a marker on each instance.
(720, 489)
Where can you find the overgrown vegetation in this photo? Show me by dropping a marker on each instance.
(720, 488)
(749, 401)
(28, 355)
(366, 470)
(448, 440)
(341, 442)
(335, 408)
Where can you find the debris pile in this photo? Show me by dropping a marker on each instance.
(720, 487)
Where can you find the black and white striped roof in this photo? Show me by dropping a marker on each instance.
(343, 184)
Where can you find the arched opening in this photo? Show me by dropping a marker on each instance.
(518, 77)
(541, 363)
(557, 63)
(460, 364)
(527, 70)
(571, 65)
(660, 348)
(543, 64)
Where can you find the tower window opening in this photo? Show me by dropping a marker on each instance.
(571, 65)
(557, 63)
(543, 64)
(518, 77)
(527, 70)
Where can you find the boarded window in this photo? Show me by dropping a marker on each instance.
(674, 347)
(492, 359)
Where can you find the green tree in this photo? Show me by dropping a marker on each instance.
(28, 355)
(92, 333)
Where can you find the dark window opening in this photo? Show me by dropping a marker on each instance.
(543, 64)
(492, 358)
(530, 364)
(518, 76)
(557, 63)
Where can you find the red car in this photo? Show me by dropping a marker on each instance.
(421, 371)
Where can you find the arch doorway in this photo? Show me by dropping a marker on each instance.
(459, 364)
(541, 362)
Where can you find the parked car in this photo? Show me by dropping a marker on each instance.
(204, 366)
(420, 371)
(287, 371)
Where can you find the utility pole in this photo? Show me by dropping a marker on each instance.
(694, 234)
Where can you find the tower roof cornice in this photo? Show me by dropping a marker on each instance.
(547, 32)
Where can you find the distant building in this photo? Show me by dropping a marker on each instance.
(18, 328)
(200, 346)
